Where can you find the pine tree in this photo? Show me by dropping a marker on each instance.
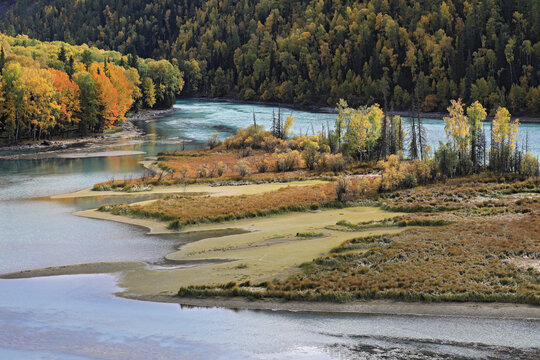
(62, 55)
(133, 61)
(70, 68)
(2, 59)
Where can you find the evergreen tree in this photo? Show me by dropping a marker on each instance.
(62, 55)
(2, 59)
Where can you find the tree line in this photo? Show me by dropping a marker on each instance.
(402, 54)
(55, 89)
(368, 133)
(370, 137)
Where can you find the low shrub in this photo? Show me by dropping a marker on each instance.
(343, 187)
(203, 171)
(242, 167)
(336, 163)
(288, 161)
(221, 168)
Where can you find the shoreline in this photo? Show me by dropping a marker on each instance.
(494, 310)
(317, 108)
(32, 150)
(140, 282)
(370, 307)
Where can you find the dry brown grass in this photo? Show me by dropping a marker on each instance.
(471, 259)
(184, 210)
(185, 164)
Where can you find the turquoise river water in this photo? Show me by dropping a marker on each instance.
(78, 317)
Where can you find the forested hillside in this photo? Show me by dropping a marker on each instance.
(53, 88)
(395, 52)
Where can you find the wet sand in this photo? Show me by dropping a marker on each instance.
(90, 268)
(372, 307)
(265, 249)
(226, 190)
(82, 155)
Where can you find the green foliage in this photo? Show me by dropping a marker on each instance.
(149, 92)
(392, 53)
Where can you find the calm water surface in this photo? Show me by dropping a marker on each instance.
(77, 317)
(71, 317)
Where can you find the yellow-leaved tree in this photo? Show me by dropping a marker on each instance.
(363, 131)
(457, 127)
(504, 135)
(11, 109)
(477, 114)
(41, 107)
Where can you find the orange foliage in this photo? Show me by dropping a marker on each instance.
(124, 87)
(69, 97)
(107, 95)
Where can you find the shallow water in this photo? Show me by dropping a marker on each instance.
(80, 311)
(77, 317)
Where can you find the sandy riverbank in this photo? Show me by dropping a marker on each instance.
(255, 249)
(263, 249)
(372, 307)
(207, 188)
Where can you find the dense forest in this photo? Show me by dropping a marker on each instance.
(401, 54)
(53, 88)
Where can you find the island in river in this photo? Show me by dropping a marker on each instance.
(58, 306)
(256, 248)
(286, 234)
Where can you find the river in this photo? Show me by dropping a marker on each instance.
(77, 317)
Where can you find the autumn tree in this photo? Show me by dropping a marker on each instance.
(457, 132)
(40, 108)
(15, 96)
(477, 114)
(363, 132)
(124, 88)
(504, 135)
(149, 92)
(107, 97)
(68, 98)
(343, 119)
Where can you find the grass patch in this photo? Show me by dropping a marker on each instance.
(398, 221)
(464, 255)
(180, 210)
(309, 234)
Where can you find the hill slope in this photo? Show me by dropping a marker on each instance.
(386, 51)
